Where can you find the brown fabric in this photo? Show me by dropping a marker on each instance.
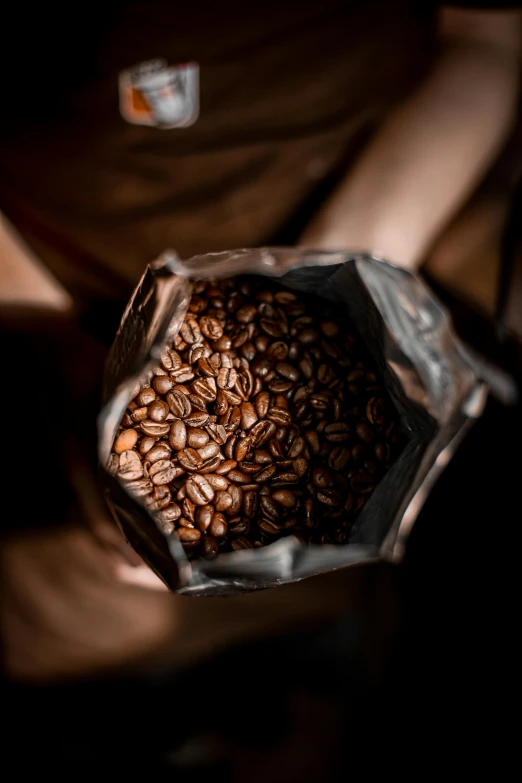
(288, 92)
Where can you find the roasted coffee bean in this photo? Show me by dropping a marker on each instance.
(224, 343)
(189, 536)
(263, 457)
(285, 498)
(203, 516)
(209, 547)
(190, 331)
(207, 368)
(145, 397)
(226, 466)
(163, 384)
(337, 431)
(209, 450)
(162, 472)
(236, 493)
(238, 526)
(226, 378)
(322, 478)
(261, 403)
(339, 458)
(205, 388)
(217, 433)
(216, 481)
(296, 448)
(248, 467)
(139, 414)
(261, 432)
(279, 415)
(329, 497)
(183, 374)
(211, 464)
(178, 435)
(210, 327)
(222, 404)
(160, 451)
(159, 498)
(188, 510)
(288, 371)
(223, 500)
(266, 474)
(218, 526)
(199, 490)
(268, 527)
(197, 438)
(198, 419)
(130, 471)
(276, 449)
(248, 415)
(129, 456)
(241, 450)
(364, 431)
(250, 500)
(168, 513)
(261, 365)
(158, 410)
(190, 459)
(300, 466)
(156, 429)
(238, 477)
(179, 404)
(125, 440)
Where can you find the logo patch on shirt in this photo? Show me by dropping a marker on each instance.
(160, 95)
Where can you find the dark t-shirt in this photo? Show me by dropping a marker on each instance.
(288, 94)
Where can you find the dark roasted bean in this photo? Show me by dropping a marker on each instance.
(156, 429)
(223, 500)
(198, 419)
(339, 458)
(158, 410)
(197, 438)
(178, 435)
(329, 497)
(210, 327)
(190, 459)
(266, 474)
(364, 431)
(337, 431)
(179, 403)
(261, 403)
(285, 498)
(145, 397)
(162, 472)
(226, 466)
(160, 451)
(288, 371)
(199, 490)
(209, 547)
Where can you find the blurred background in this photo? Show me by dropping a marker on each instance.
(374, 667)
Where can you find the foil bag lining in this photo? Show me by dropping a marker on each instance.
(431, 377)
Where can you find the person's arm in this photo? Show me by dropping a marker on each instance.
(432, 152)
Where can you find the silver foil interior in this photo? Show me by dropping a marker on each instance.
(435, 384)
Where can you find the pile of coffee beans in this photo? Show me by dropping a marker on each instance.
(264, 419)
